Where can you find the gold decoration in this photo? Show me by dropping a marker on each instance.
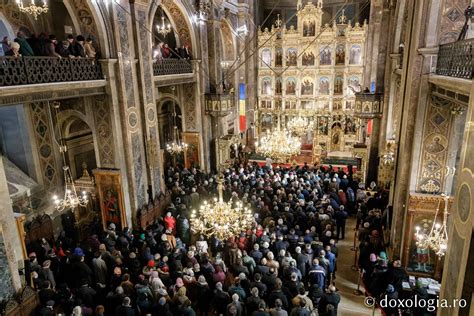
(32, 8)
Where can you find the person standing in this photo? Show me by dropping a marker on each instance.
(341, 217)
(25, 48)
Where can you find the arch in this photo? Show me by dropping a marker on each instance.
(177, 12)
(5, 27)
(229, 45)
(80, 137)
(165, 119)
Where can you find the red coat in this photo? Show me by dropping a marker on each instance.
(342, 197)
(170, 223)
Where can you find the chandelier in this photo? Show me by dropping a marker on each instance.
(279, 145)
(176, 147)
(32, 8)
(220, 219)
(163, 29)
(388, 157)
(300, 125)
(437, 238)
(71, 199)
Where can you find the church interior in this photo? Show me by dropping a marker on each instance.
(236, 157)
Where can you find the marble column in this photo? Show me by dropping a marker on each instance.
(11, 257)
(409, 94)
(458, 274)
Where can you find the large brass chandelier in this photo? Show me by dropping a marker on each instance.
(220, 219)
(279, 145)
(300, 125)
(71, 198)
(437, 238)
(32, 8)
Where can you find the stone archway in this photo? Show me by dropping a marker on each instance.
(78, 136)
(178, 18)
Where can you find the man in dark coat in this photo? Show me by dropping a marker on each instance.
(125, 309)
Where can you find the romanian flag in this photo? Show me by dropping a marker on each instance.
(242, 117)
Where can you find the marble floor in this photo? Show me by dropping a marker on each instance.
(346, 278)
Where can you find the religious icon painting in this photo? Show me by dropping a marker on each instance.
(278, 86)
(291, 86)
(266, 86)
(353, 85)
(307, 59)
(292, 57)
(325, 58)
(338, 83)
(192, 156)
(109, 188)
(355, 54)
(324, 86)
(307, 86)
(340, 54)
(266, 57)
(309, 28)
(279, 57)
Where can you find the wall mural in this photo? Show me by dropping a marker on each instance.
(434, 151)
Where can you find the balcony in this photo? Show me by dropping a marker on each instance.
(456, 59)
(172, 66)
(37, 70)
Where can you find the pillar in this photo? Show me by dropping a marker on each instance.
(11, 256)
(457, 277)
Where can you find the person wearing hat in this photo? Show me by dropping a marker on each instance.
(47, 274)
(80, 268)
(203, 293)
(125, 309)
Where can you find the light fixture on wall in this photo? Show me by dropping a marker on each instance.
(71, 198)
(32, 8)
(163, 29)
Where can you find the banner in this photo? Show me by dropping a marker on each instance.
(242, 116)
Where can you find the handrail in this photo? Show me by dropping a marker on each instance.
(456, 59)
(172, 66)
(33, 70)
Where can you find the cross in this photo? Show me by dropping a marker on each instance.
(343, 18)
(278, 21)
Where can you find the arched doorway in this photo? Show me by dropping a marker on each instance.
(170, 121)
(5, 31)
(77, 136)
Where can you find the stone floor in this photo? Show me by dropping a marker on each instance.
(346, 278)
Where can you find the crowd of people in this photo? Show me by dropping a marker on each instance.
(286, 264)
(163, 51)
(48, 46)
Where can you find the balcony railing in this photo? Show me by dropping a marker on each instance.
(456, 59)
(32, 70)
(172, 66)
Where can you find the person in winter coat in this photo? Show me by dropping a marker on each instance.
(170, 222)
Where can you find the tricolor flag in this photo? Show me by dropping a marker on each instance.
(242, 117)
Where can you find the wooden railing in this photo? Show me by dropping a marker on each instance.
(148, 214)
(172, 66)
(32, 70)
(456, 59)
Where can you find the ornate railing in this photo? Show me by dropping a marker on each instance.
(456, 59)
(172, 66)
(31, 70)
